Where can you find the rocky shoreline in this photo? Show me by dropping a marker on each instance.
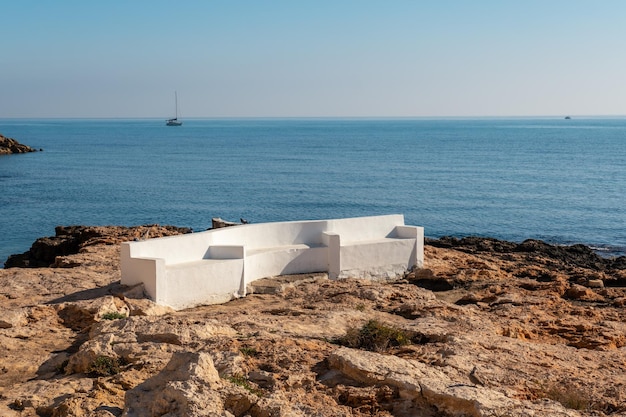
(9, 146)
(50, 251)
(487, 328)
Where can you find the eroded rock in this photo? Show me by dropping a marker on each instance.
(516, 333)
(428, 388)
(187, 386)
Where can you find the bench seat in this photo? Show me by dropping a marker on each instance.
(202, 263)
(289, 248)
(381, 258)
(286, 260)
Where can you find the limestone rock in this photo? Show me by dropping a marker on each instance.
(82, 314)
(91, 351)
(146, 307)
(134, 340)
(186, 387)
(515, 333)
(13, 318)
(428, 387)
(578, 292)
(42, 397)
(595, 283)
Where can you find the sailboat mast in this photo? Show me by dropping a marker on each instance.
(174, 121)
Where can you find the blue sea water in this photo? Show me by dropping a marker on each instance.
(563, 181)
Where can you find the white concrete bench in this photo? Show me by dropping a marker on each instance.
(216, 265)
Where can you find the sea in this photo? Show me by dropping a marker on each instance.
(558, 180)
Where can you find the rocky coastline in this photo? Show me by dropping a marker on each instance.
(50, 251)
(10, 146)
(487, 328)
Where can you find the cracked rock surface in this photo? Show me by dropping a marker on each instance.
(487, 328)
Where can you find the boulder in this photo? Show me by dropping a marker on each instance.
(579, 292)
(81, 314)
(595, 283)
(185, 387)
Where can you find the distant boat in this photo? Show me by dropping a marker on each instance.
(567, 117)
(174, 121)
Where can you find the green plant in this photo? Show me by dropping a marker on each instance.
(248, 351)
(375, 336)
(113, 315)
(104, 366)
(360, 307)
(243, 382)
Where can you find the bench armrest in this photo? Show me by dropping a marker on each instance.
(333, 241)
(408, 232)
(147, 271)
(417, 233)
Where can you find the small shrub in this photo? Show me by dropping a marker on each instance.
(360, 307)
(569, 397)
(243, 382)
(248, 351)
(375, 336)
(104, 366)
(114, 315)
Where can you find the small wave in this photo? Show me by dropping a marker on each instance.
(606, 251)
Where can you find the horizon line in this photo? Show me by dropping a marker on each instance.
(560, 116)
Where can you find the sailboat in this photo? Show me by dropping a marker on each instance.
(174, 121)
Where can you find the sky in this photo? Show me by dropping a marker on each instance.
(296, 58)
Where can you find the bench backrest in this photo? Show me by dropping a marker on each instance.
(173, 249)
(195, 246)
(261, 235)
(366, 228)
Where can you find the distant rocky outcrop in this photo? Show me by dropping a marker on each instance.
(68, 240)
(9, 146)
(572, 255)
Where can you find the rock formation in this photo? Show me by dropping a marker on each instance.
(49, 251)
(488, 328)
(9, 146)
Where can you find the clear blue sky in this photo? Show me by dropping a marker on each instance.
(312, 58)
